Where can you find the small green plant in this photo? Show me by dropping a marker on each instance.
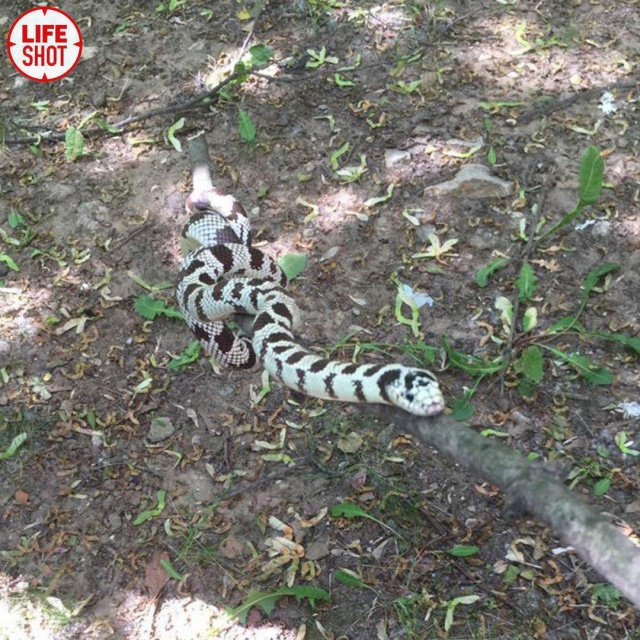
(520, 318)
(189, 355)
(170, 6)
(437, 250)
(267, 600)
(143, 516)
(319, 58)
(406, 87)
(12, 449)
(149, 308)
(246, 127)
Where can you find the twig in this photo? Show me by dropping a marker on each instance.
(563, 103)
(197, 102)
(533, 488)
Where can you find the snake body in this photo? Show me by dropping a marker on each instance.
(223, 275)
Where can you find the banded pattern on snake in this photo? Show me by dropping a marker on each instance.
(223, 275)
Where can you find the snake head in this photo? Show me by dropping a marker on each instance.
(417, 391)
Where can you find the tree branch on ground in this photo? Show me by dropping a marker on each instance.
(532, 487)
(546, 106)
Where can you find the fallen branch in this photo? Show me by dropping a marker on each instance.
(532, 487)
(200, 101)
(545, 107)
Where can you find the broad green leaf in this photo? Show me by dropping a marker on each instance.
(601, 486)
(149, 308)
(530, 319)
(526, 388)
(591, 280)
(530, 364)
(15, 219)
(246, 128)
(588, 370)
(591, 176)
(189, 355)
(349, 578)
(267, 601)
(462, 409)
(463, 551)
(16, 443)
(73, 144)
(526, 282)
(176, 126)
(483, 274)
(505, 306)
(471, 364)
(9, 261)
(260, 55)
(293, 264)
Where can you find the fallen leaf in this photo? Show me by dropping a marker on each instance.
(155, 577)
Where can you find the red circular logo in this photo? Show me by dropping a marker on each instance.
(44, 44)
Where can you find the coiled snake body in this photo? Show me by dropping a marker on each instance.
(223, 275)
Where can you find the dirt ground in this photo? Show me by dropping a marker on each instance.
(130, 462)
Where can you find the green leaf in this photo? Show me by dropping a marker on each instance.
(448, 618)
(171, 572)
(152, 513)
(260, 55)
(589, 283)
(73, 144)
(627, 341)
(472, 364)
(149, 308)
(16, 443)
(348, 510)
(491, 156)
(176, 126)
(14, 219)
(591, 176)
(189, 355)
(588, 370)
(293, 264)
(530, 319)
(483, 274)
(463, 551)
(601, 486)
(343, 82)
(373, 202)
(335, 156)
(267, 601)
(349, 578)
(9, 261)
(246, 128)
(566, 323)
(526, 282)
(530, 364)
(462, 409)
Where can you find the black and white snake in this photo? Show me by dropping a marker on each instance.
(223, 275)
